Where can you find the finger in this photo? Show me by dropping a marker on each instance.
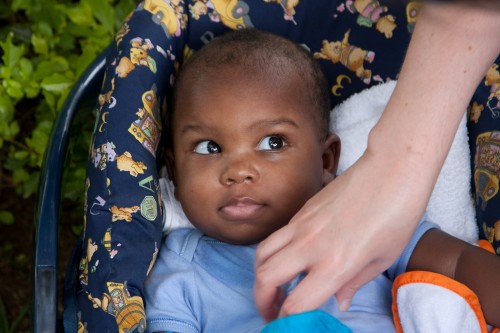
(276, 271)
(346, 293)
(273, 243)
(313, 291)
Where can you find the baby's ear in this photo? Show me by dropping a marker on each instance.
(169, 159)
(331, 155)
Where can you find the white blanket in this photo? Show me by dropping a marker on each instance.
(451, 204)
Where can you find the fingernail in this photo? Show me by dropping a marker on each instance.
(344, 305)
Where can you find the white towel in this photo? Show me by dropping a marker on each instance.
(451, 204)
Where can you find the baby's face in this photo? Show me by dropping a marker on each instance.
(246, 158)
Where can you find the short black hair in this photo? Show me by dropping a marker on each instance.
(262, 53)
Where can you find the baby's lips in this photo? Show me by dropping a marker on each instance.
(241, 208)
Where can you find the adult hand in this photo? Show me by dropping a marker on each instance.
(358, 224)
(343, 237)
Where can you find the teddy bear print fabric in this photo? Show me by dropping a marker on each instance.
(359, 43)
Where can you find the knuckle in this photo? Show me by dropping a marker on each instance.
(262, 275)
(260, 252)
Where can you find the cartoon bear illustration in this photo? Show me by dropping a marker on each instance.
(124, 162)
(371, 12)
(198, 9)
(475, 112)
(138, 57)
(106, 97)
(492, 80)
(350, 56)
(386, 25)
(123, 213)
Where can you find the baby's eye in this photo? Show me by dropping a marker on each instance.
(272, 142)
(207, 147)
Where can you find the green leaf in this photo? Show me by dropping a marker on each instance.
(6, 108)
(5, 130)
(21, 154)
(14, 129)
(4, 320)
(5, 72)
(12, 164)
(31, 185)
(122, 9)
(20, 176)
(81, 14)
(44, 29)
(25, 68)
(13, 88)
(76, 229)
(104, 13)
(40, 137)
(20, 4)
(49, 101)
(39, 44)
(45, 68)
(66, 41)
(32, 89)
(6, 217)
(11, 52)
(5, 11)
(56, 83)
(22, 314)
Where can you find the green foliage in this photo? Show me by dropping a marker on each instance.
(45, 45)
(10, 327)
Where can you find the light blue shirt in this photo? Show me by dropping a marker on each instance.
(200, 284)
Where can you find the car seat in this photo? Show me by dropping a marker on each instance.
(44, 312)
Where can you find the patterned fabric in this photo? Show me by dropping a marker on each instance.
(484, 139)
(359, 43)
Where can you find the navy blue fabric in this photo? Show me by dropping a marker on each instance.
(358, 43)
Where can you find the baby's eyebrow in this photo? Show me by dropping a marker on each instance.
(259, 124)
(192, 128)
(264, 123)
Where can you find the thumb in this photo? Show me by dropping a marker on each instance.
(344, 296)
(346, 293)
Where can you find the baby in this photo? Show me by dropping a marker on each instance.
(250, 144)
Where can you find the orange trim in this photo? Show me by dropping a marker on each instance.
(485, 245)
(439, 280)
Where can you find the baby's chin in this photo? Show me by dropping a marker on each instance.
(239, 237)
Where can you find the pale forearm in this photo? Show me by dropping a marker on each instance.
(451, 49)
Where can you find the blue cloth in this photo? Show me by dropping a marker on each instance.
(200, 284)
(307, 322)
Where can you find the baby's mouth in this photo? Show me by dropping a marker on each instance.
(241, 209)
